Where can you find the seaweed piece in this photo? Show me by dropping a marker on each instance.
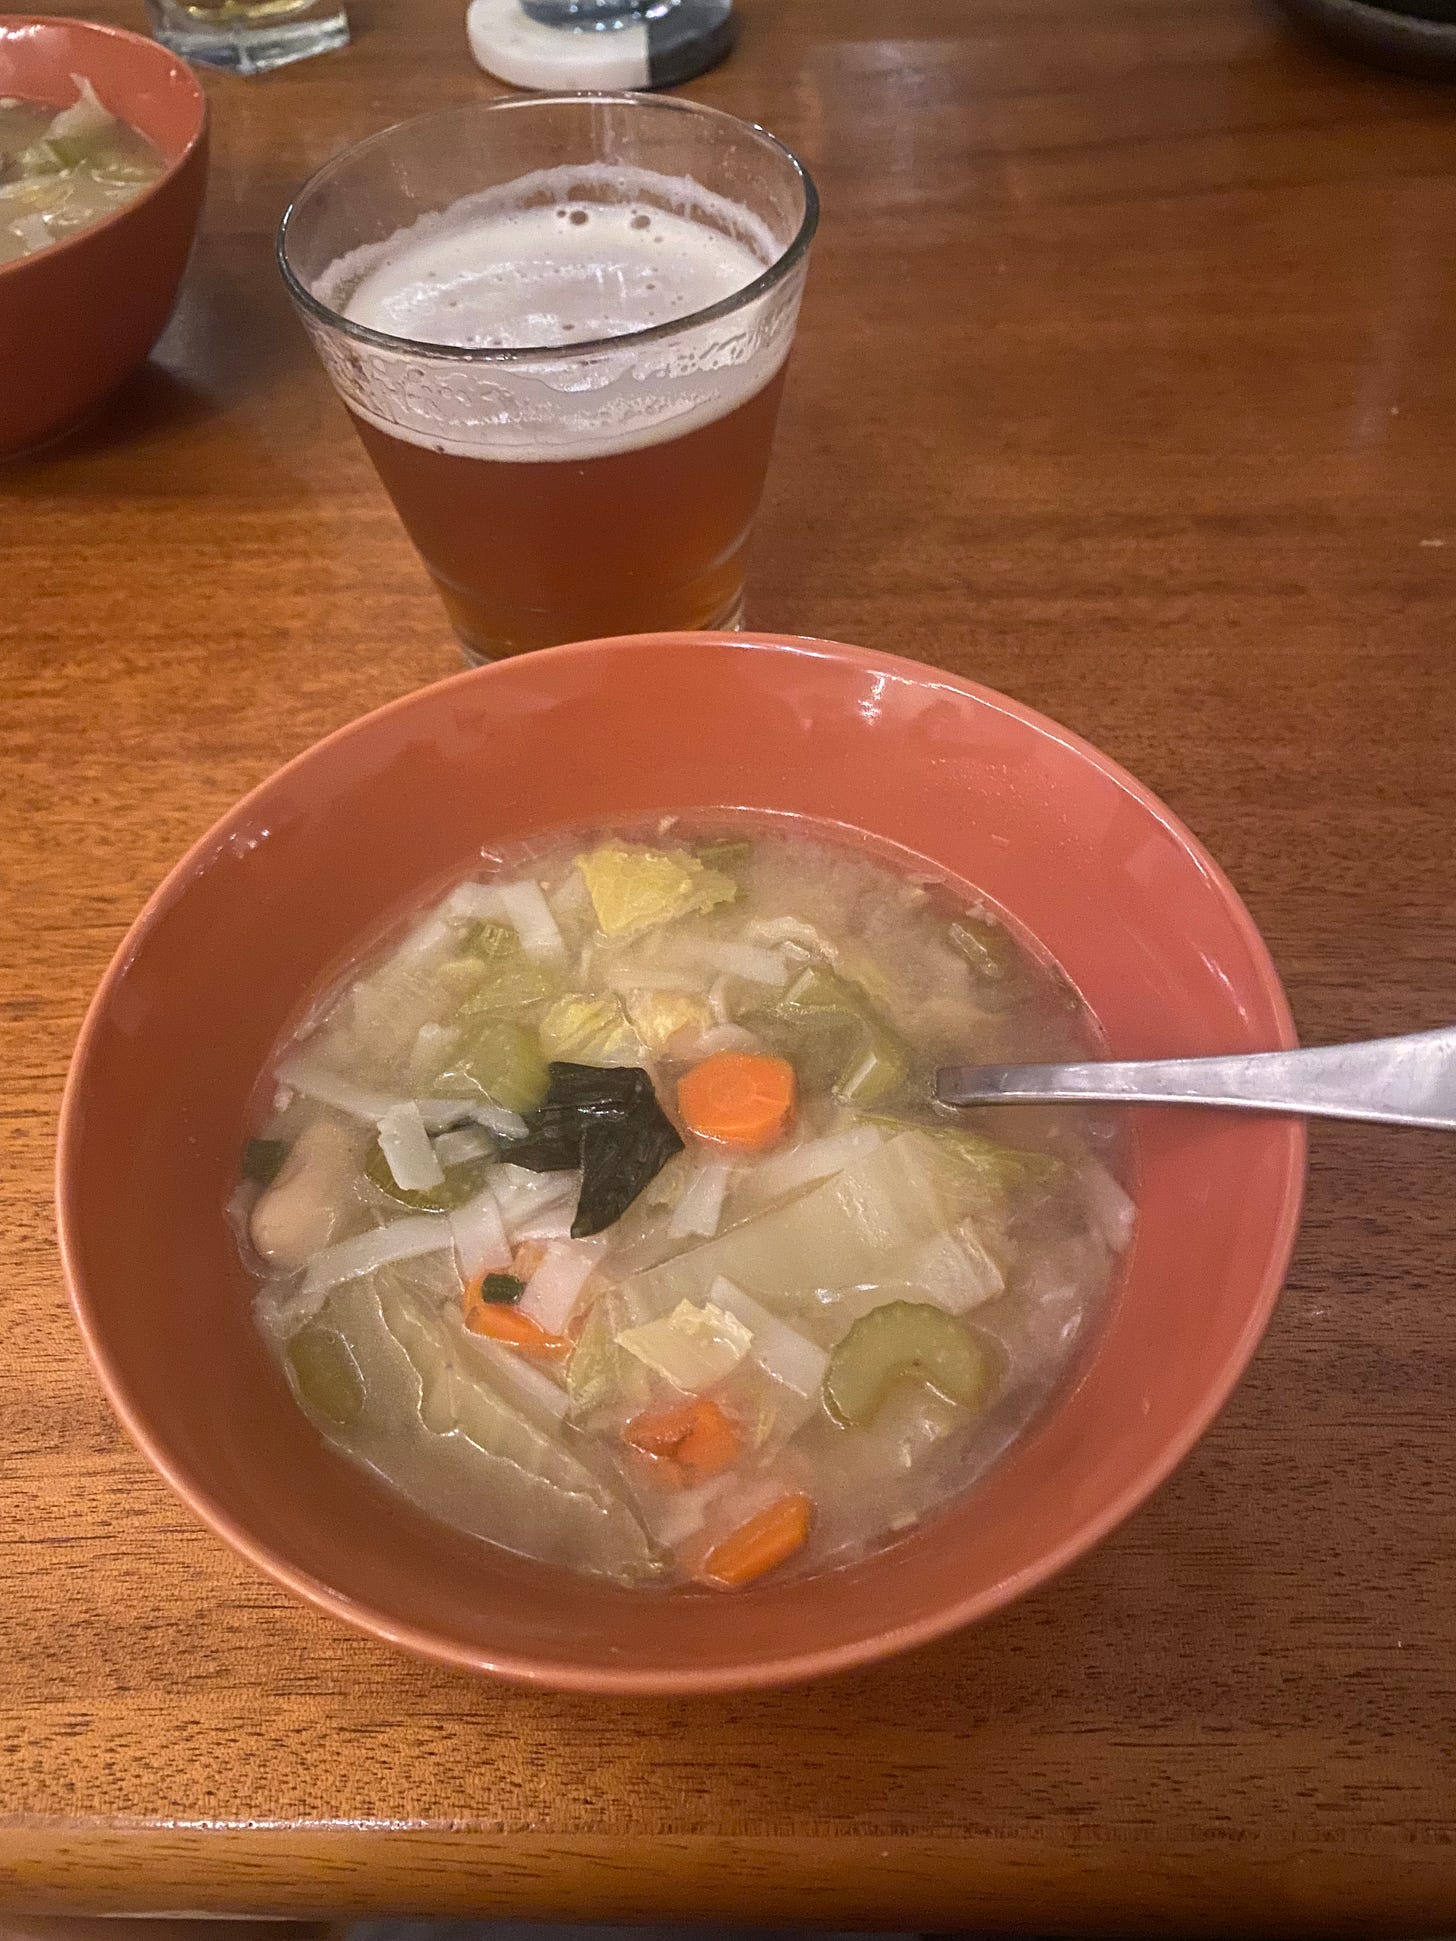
(506, 1288)
(618, 1158)
(606, 1120)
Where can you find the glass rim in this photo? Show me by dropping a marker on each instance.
(773, 273)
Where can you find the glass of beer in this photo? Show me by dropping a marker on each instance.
(249, 36)
(561, 327)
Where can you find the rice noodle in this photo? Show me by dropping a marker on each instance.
(480, 1236)
(701, 1207)
(407, 1151)
(366, 1253)
(517, 1373)
(465, 1143)
(555, 1288)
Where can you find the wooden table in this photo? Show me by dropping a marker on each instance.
(1127, 383)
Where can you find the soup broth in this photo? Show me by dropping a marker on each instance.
(63, 170)
(607, 1214)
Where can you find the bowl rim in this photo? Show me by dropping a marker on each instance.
(166, 59)
(795, 1666)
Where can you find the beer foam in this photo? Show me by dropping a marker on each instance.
(549, 263)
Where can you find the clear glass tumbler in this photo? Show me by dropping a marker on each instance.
(561, 326)
(248, 36)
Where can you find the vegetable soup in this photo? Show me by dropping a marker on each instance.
(63, 169)
(607, 1214)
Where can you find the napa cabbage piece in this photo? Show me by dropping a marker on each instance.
(985, 1166)
(692, 1347)
(856, 1227)
(438, 1419)
(634, 888)
(499, 1060)
(586, 1030)
(836, 1039)
(601, 1377)
(503, 976)
(658, 1016)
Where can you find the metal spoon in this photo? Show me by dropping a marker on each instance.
(1397, 1081)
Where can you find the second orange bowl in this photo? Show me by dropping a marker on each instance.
(77, 318)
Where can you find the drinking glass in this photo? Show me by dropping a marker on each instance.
(560, 490)
(248, 36)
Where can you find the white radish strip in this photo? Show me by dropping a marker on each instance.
(366, 1253)
(536, 1206)
(740, 960)
(406, 1148)
(1113, 1213)
(787, 1355)
(815, 1159)
(480, 1236)
(718, 1000)
(459, 1147)
(724, 1037)
(701, 1206)
(555, 1288)
(526, 908)
(517, 1373)
(328, 1088)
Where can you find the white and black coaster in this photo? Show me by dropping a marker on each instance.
(510, 41)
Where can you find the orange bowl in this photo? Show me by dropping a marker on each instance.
(77, 318)
(279, 894)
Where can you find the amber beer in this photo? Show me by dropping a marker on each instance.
(528, 554)
(568, 379)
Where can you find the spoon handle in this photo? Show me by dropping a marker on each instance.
(1397, 1081)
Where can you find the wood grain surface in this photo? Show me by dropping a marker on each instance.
(1126, 383)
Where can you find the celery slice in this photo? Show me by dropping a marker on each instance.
(898, 1341)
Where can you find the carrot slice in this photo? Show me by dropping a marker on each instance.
(762, 1544)
(689, 1441)
(509, 1325)
(739, 1099)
